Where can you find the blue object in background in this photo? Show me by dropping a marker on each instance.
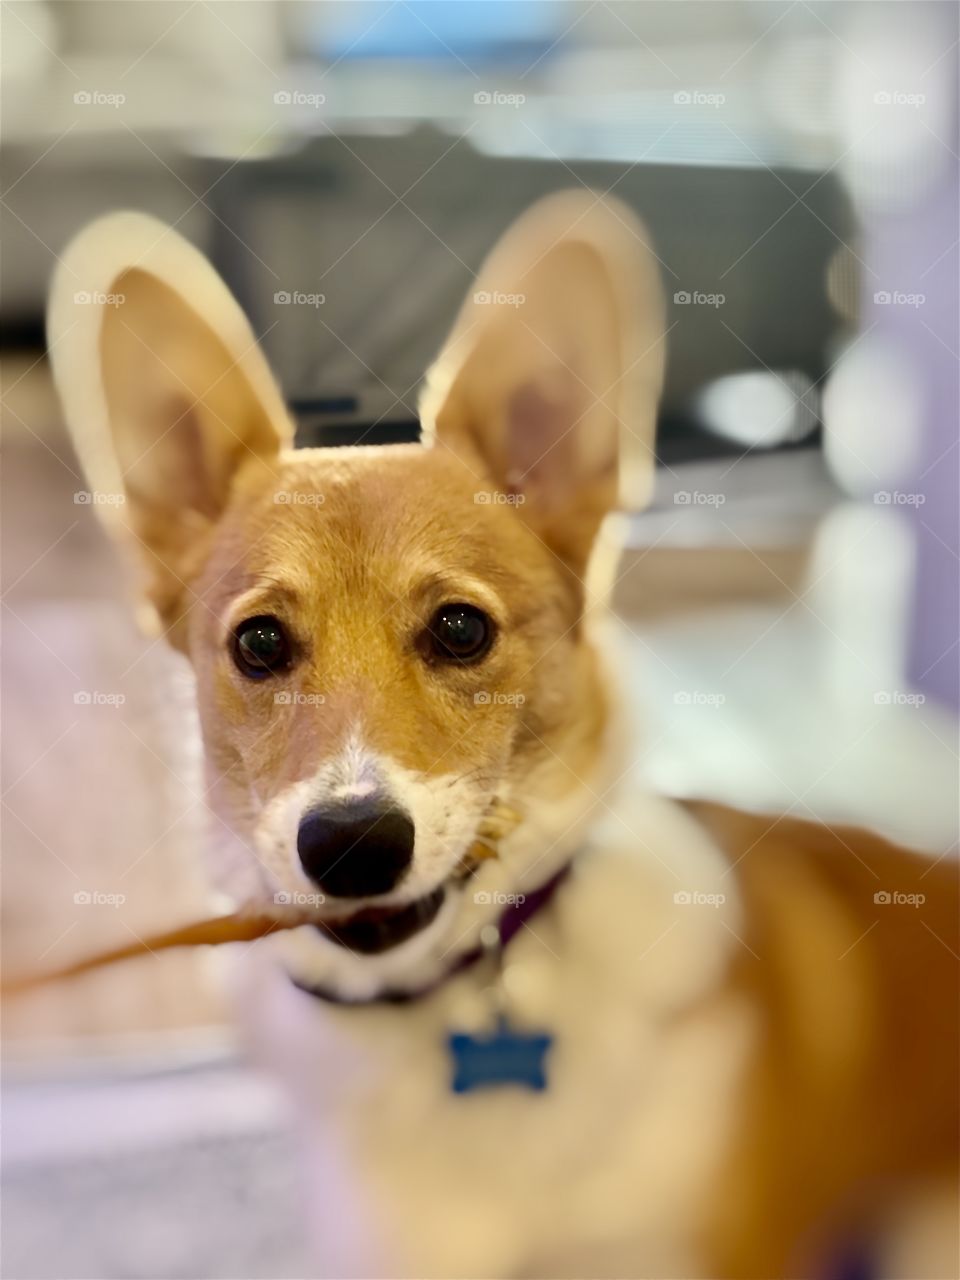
(475, 30)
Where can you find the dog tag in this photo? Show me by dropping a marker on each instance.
(504, 1056)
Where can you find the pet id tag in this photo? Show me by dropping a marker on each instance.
(504, 1056)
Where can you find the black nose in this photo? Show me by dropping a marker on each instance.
(356, 850)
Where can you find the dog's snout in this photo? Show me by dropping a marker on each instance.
(356, 850)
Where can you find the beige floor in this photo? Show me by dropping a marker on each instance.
(104, 800)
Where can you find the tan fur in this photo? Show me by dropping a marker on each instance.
(358, 578)
(719, 1076)
(852, 1101)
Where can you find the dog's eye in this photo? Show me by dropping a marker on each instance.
(459, 633)
(261, 648)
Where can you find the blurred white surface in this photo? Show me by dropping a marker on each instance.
(799, 707)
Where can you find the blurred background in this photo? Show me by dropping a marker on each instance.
(787, 607)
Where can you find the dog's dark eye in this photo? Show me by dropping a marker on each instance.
(261, 648)
(459, 633)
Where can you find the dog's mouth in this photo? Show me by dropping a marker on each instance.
(376, 929)
(373, 930)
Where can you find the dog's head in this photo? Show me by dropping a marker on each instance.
(390, 644)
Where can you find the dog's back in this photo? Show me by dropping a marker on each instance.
(850, 1105)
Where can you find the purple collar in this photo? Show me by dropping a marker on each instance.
(511, 921)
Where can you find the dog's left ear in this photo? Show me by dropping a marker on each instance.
(549, 381)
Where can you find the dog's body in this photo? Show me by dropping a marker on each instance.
(596, 1176)
(756, 1088)
(401, 642)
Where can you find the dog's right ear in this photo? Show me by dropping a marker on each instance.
(165, 392)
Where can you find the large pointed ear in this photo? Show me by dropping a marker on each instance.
(165, 392)
(549, 381)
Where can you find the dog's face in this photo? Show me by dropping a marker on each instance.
(389, 643)
(378, 651)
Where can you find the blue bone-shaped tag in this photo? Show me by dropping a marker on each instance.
(505, 1056)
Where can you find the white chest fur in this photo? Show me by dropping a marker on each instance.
(611, 1164)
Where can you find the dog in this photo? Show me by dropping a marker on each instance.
(646, 1038)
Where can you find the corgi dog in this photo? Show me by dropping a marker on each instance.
(646, 1038)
